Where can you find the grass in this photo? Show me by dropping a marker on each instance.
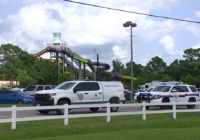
(10, 105)
(156, 127)
(131, 102)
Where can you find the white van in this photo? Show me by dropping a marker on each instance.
(81, 92)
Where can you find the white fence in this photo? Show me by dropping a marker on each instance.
(66, 116)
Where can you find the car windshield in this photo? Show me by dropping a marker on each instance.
(66, 85)
(162, 88)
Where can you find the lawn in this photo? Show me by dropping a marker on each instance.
(156, 127)
(10, 105)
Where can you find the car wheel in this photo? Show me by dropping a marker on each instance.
(115, 108)
(191, 106)
(20, 102)
(43, 111)
(165, 100)
(61, 111)
(94, 109)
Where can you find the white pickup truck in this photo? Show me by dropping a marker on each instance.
(81, 92)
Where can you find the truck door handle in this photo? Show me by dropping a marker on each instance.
(100, 92)
(85, 93)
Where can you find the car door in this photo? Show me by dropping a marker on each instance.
(183, 94)
(11, 97)
(81, 95)
(179, 93)
(95, 95)
(2, 96)
(175, 94)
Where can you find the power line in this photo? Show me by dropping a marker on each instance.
(132, 12)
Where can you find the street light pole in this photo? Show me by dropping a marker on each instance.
(94, 66)
(127, 24)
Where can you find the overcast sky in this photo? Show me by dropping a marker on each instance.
(30, 24)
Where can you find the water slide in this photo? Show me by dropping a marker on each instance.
(68, 54)
(123, 77)
(43, 52)
(75, 56)
(40, 53)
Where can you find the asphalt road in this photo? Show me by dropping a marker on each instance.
(33, 113)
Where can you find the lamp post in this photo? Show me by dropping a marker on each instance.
(94, 66)
(127, 24)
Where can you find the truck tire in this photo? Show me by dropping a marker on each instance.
(94, 109)
(165, 100)
(43, 111)
(61, 111)
(114, 109)
(191, 106)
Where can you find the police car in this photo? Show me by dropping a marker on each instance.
(169, 92)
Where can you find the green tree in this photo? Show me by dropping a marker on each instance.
(191, 55)
(174, 70)
(11, 61)
(117, 66)
(138, 69)
(24, 79)
(192, 80)
(44, 72)
(63, 77)
(156, 65)
(166, 77)
(139, 81)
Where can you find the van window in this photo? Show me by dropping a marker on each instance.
(193, 89)
(31, 88)
(93, 86)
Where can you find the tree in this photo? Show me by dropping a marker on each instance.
(174, 70)
(138, 69)
(24, 79)
(139, 81)
(156, 65)
(166, 77)
(11, 61)
(63, 77)
(191, 55)
(117, 66)
(44, 72)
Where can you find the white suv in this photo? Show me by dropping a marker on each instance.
(169, 93)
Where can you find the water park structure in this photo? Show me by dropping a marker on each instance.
(57, 49)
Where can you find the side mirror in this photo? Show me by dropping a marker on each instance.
(76, 89)
(13, 94)
(173, 90)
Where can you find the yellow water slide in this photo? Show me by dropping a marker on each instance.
(43, 52)
(40, 53)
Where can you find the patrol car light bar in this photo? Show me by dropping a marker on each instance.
(172, 83)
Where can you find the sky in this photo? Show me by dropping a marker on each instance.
(30, 24)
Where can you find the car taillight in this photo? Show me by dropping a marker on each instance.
(124, 94)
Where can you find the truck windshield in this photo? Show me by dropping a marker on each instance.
(162, 88)
(66, 85)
